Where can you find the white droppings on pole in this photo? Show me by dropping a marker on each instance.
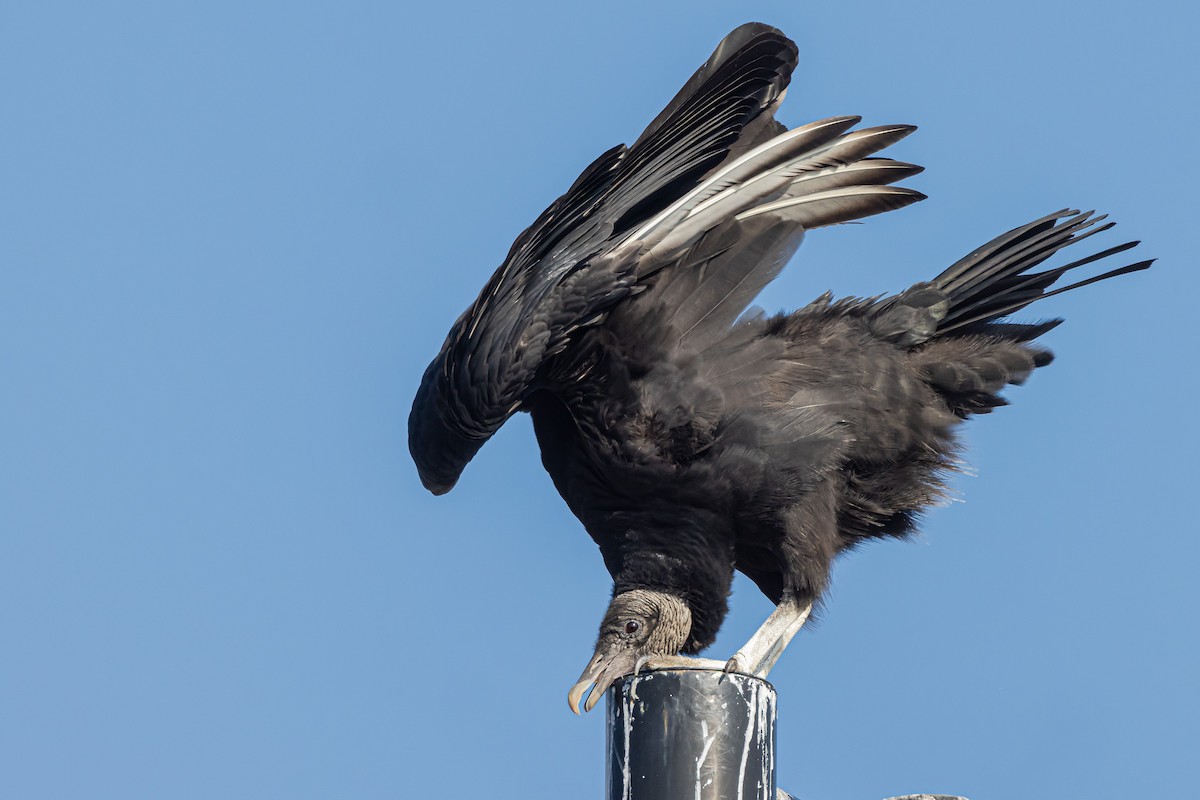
(745, 747)
(693, 737)
(628, 715)
(708, 742)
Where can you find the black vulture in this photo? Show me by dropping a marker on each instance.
(693, 437)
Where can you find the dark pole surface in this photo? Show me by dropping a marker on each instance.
(691, 734)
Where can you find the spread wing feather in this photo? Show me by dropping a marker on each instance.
(694, 219)
(492, 355)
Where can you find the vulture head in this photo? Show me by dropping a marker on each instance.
(639, 624)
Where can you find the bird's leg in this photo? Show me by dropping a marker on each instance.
(759, 655)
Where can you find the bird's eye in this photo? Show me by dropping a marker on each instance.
(633, 626)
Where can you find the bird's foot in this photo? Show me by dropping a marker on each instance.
(651, 663)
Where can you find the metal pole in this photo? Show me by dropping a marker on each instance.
(691, 734)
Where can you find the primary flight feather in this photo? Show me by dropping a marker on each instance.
(692, 438)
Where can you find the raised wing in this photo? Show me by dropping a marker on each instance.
(547, 287)
(709, 176)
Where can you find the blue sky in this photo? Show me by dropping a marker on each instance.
(233, 234)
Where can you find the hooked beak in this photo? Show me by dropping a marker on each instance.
(602, 670)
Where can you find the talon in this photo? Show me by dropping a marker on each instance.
(641, 662)
(733, 665)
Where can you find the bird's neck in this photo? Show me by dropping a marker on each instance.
(691, 559)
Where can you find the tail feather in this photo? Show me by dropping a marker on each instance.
(1016, 294)
(961, 346)
(994, 281)
(1025, 253)
(976, 257)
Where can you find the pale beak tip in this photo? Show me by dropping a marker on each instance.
(576, 694)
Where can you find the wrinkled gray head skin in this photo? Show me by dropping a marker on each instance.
(638, 624)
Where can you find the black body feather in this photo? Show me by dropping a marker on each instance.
(692, 438)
